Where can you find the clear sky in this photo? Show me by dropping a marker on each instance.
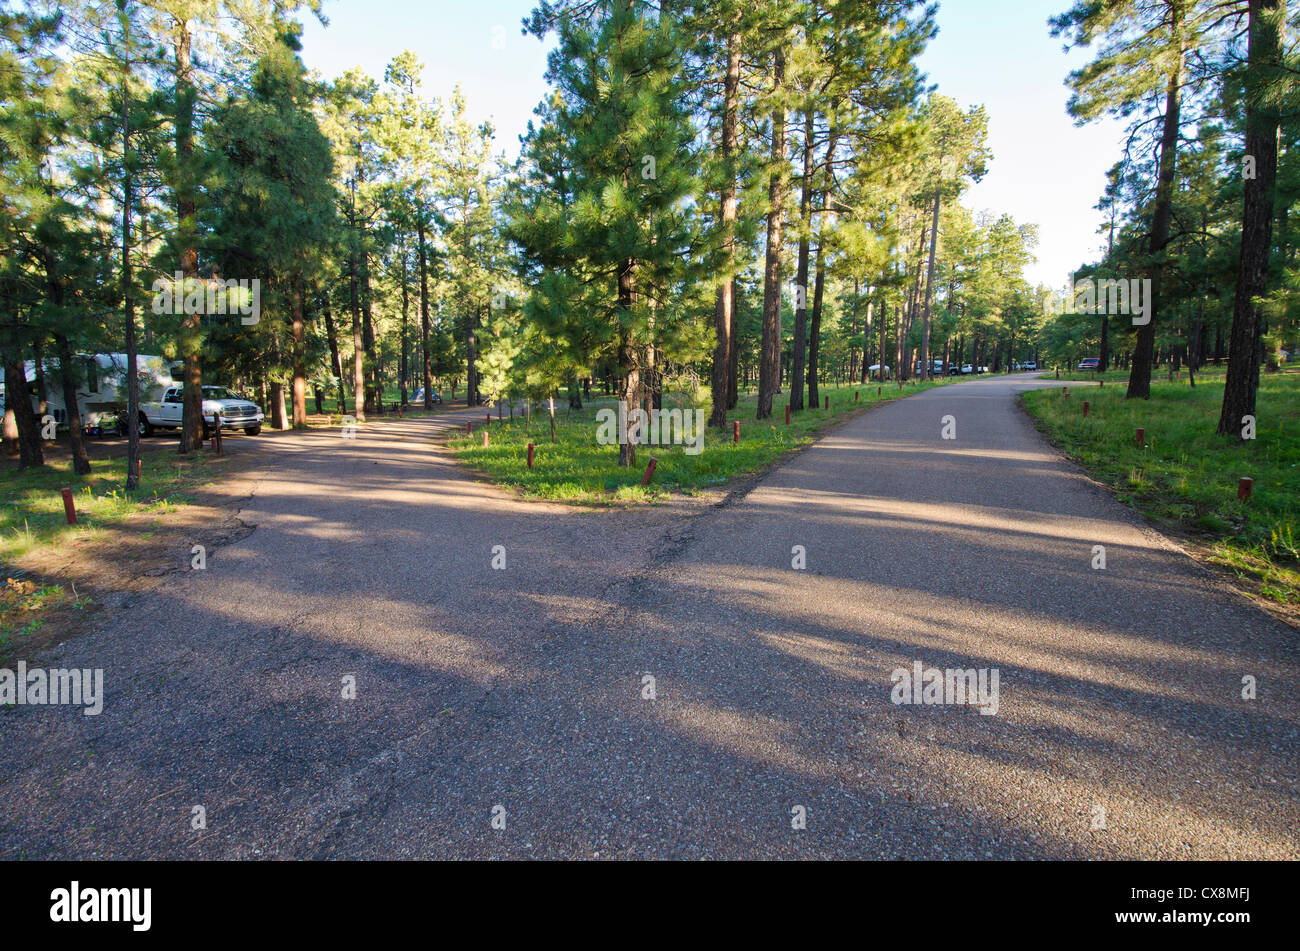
(997, 53)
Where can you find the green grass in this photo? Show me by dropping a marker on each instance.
(31, 506)
(1185, 477)
(575, 468)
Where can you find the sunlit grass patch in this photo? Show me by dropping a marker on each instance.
(1185, 476)
(576, 468)
(31, 506)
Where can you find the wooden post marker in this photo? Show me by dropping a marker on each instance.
(735, 431)
(1141, 438)
(787, 414)
(1244, 487)
(485, 439)
(69, 506)
(828, 403)
(649, 471)
(1085, 407)
(530, 455)
(469, 429)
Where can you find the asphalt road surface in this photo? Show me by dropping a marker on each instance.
(522, 694)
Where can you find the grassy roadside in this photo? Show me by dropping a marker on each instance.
(33, 523)
(1184, 478)
(575, 468)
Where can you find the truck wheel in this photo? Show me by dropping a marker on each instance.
(252, 430)
(146, 427)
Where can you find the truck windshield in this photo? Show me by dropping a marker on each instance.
(219, 393)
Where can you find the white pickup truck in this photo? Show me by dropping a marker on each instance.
(235, 411)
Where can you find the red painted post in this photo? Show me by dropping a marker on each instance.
(649, 471)
(137, 470)
(489, 419)
(485, 439)
(530, 455)
(787, 414)
(1244, 487)
(828, 403)
(1141, 438)
(469, 429)
(855, 396)
(878, 390)
(735, 431)
(216, 417)
(69, 507)
(1085, 407)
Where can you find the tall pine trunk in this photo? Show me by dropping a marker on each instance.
(17, 399)
(1256, 220)
(733, 364)
(797, 366)
(186, 232)
(769, 365)
(336, 362)
(629, 366)
(67, 370)
(724, 314)
(815, 329)
(299, 357)
(929, 288)
(1139, 380)
(424, 317)
(354, 304)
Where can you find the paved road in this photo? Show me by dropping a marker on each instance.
(1120, 729)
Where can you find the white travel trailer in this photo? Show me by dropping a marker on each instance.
(101, 387)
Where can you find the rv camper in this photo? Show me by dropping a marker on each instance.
(101, 387)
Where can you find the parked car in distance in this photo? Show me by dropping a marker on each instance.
(419, 396)
(966, 369)
(954, 370)
(235, 411)
(1029, 365)
(1090, 363)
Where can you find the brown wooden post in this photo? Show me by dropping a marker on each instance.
(69, 507)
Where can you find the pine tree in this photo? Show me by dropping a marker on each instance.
(619, 232)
